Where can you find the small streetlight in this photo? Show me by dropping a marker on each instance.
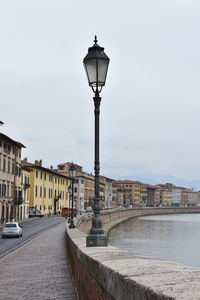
(72, 172)
(96, 66)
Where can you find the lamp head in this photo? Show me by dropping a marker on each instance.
(72, 171)
(96, 66)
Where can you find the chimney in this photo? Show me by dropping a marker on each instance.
(40, 163)
(51, 167)
(36, 162)
(25, 159)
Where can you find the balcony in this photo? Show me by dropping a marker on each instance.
(18, 201)
(26, 186)
(18, 198)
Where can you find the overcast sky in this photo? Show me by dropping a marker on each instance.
(150, 124)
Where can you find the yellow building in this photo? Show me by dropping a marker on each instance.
(134, 192)
(25, 188)
(166, 197)
(143, 194)
(48, 189)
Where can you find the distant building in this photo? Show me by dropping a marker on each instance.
(134, 192)
(175, 193)
(48, 189)
(107, 182)
(189, 198)
(83, 186)
(151, 195)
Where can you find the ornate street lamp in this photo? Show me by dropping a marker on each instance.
(96, 66)
(72, 172)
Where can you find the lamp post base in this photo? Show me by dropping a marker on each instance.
(72, 226)
(95, 240)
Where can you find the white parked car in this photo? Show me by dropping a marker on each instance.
(12, 229)
(89, 209)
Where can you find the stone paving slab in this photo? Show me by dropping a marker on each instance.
(38, 270)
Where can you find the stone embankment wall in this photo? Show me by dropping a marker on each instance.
(108, 273)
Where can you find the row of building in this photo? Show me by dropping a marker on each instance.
(25, 186)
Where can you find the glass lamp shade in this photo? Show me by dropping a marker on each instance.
(72, 171)
(96, 65)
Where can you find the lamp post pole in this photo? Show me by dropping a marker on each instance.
(72, 171)
(70, 192)
(96, 65)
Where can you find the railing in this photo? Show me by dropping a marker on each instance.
(18, 198)
(26, 186)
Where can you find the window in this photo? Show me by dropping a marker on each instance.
(3, 189)
(45, 176)
(4, 165)
(82, 180)
(9, 166)
(49, 193)
(40, 191)
(76, 181)
(55, 179)
(12, 190)
(41, 175)
(8, 190)
(44, 192)
(36, 173)
(75, 190)
(13, 167)
(36, 191)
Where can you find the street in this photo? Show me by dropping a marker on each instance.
(31, 228)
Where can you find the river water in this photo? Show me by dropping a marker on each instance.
(169, 237)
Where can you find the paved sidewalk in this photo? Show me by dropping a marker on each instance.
(38, 270)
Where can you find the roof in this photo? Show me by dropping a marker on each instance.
(28, 164)
(128, 182)
(107, 178)
(26, 168)
(11, 140)
(78, 174)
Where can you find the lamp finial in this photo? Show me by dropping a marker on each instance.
(95, 39)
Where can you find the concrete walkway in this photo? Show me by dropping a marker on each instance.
(38, 270)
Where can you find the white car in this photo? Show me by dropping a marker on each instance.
(12, 229)
(89, 209)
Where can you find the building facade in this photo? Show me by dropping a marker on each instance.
(25, 188)
(48, 189)
(83, 186)
(134, 192)
(107, 191)
(10, 173)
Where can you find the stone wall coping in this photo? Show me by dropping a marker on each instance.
(129, 276)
